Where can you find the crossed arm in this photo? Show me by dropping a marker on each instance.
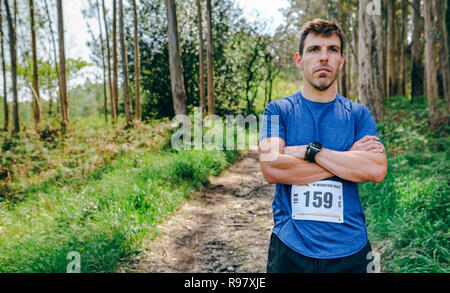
(365, 161)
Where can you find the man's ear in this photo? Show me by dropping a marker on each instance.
(298, 60)
(341, 65)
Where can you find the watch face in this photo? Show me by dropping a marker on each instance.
(316, 145)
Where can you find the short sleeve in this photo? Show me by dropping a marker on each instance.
(272, 124)
(365, 125)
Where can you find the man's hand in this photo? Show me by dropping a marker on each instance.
(368, 143)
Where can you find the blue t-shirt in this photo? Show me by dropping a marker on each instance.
(336, 125)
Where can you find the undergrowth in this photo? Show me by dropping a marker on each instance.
(407, 214)
(99, 192)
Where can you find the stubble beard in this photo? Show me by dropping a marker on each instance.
(325, 86)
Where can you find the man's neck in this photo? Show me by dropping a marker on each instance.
(311, 93)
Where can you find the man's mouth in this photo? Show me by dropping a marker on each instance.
(323, 70)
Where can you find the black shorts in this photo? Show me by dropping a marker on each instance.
(282, 259)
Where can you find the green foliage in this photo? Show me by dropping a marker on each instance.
(407, 214)
(232, 33)
(48, 78)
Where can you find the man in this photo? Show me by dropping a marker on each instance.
(316, 146)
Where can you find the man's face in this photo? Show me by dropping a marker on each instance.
(321, 60)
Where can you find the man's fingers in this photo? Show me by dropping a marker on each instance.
(374, 146)
(367, 138)
(367, 146)
(376, 150)
(372, 142)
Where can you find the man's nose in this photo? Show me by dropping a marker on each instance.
(324, 55)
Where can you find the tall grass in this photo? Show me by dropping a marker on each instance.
(407, 214)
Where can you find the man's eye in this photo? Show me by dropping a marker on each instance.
(313, 50)
(334, 50)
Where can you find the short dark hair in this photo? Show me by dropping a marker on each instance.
(320, 27)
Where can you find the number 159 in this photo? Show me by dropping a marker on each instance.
(318, 200)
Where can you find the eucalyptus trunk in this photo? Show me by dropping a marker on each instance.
(176, 68)
(370, 61)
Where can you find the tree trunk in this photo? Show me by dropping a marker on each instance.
(102, 50)
(201, 78)
(123, 49)
(342, 78)
(355, 71)
(348, 72)
(370, 87)
(268, 59)
(137, 66)
(210, 60)
(5, 101)
(13, 55)
(54, 50)
(391, 83)
(111, 95)
(402, 46)
(444, 52)
(36, 104)
(417, 71)
(176, 68)
(115, 63)
(431, 61)
(62, 69)
(49, 92)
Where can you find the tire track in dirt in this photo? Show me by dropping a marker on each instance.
(225, 227)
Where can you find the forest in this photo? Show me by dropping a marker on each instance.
(88, 166)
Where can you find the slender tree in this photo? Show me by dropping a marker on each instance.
(111, 94)
(62, 68)
(342, 81)
(13, 56)
(5, 97)
(176, 68)
(370, 87)
(402, 46)
(36, 104)
(391, 82)
(444, 55)
(201, 72)
(137, 66)
(115, 63)
(417, 70)
(436, 57)
(431, 64)
(209, 60)
(102, 50)
(123, 49)
(54, 51)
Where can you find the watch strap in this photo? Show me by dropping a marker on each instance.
(311, 151)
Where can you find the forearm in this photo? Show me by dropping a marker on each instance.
(356, 166)
(286, 169)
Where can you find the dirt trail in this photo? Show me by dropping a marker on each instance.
(225, 227)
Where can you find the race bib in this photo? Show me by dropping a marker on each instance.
(318, 201)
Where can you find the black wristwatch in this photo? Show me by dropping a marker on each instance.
(311, 150)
